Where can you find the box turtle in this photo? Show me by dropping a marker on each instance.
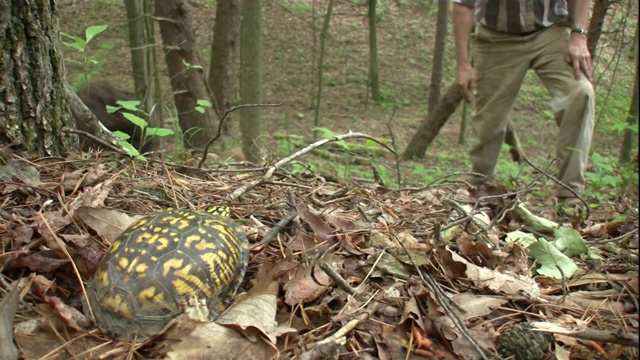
(161, 264)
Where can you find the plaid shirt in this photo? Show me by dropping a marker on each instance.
(517, 16)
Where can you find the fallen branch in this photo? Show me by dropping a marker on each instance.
(273, 168)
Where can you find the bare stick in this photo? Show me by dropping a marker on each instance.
(272, 169)
(221, 122)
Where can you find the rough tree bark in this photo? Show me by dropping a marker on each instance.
(435, 85)
(251, 77)
(34, 103)
(224, 52)
(185, 71)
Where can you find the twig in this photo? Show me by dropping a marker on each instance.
(273, 168)
(275, 230)
(96, 139)
(221, 122)
(336, 277)
(443, 300)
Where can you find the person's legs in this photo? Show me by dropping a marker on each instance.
(573, 107)
(501, 61)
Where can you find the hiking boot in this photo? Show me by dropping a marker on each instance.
(474, 180)
(571, 207)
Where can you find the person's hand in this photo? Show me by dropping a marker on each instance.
(466, 80)
(578, 56)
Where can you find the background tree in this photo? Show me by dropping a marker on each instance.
(596, 23)
(251, 77)
(320, 70)
(138, 44)
(435, 85)
(629, 134)
(224, 51)
(35, 104)
(185, 72)
(374, 76)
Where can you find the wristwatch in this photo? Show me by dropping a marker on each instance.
(579, 30)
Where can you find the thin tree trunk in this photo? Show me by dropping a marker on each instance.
(137, 44)
(323, 40)
(595, 25)
(629, 136)
(251, 77)
(35, 104)
(224, 51)
(185, 71)
(374, 76)
(435, 86)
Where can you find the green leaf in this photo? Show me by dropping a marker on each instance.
(199, 109)
(325, 132)
(204, 103)
(122, 135)
(79, 42)
(131, 105)
(136, 120)
(111, 109)
(522, 238)
(93, 31)
(569, 241)
(130, 149)
(76, 46)
(158, 132)
(550, 260)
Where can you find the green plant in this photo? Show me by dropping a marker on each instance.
(81, 44)
(128, 109)
(606, 180)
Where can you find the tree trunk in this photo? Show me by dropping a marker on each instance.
(435, 85)
(632, 118)
(185, 71)
(35, 103)
(137, 44)
(432, 124)
(251, 77)
(224, 51)
(323, 40)
(374, 77)
(595, 25)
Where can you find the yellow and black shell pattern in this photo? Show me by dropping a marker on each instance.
(162, 263)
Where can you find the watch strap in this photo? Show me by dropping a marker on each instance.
(579, 30)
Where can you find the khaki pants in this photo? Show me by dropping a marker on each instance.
(501, 61)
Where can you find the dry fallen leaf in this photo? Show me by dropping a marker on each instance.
(106, 222)
(212, 341)
(305, 287)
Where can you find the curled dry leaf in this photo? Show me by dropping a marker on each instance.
(91, 196)
(71, 316)
(83, 177)
(305, 287)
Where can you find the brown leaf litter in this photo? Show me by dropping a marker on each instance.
(337, 270)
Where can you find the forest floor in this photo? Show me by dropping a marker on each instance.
(433, 268)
